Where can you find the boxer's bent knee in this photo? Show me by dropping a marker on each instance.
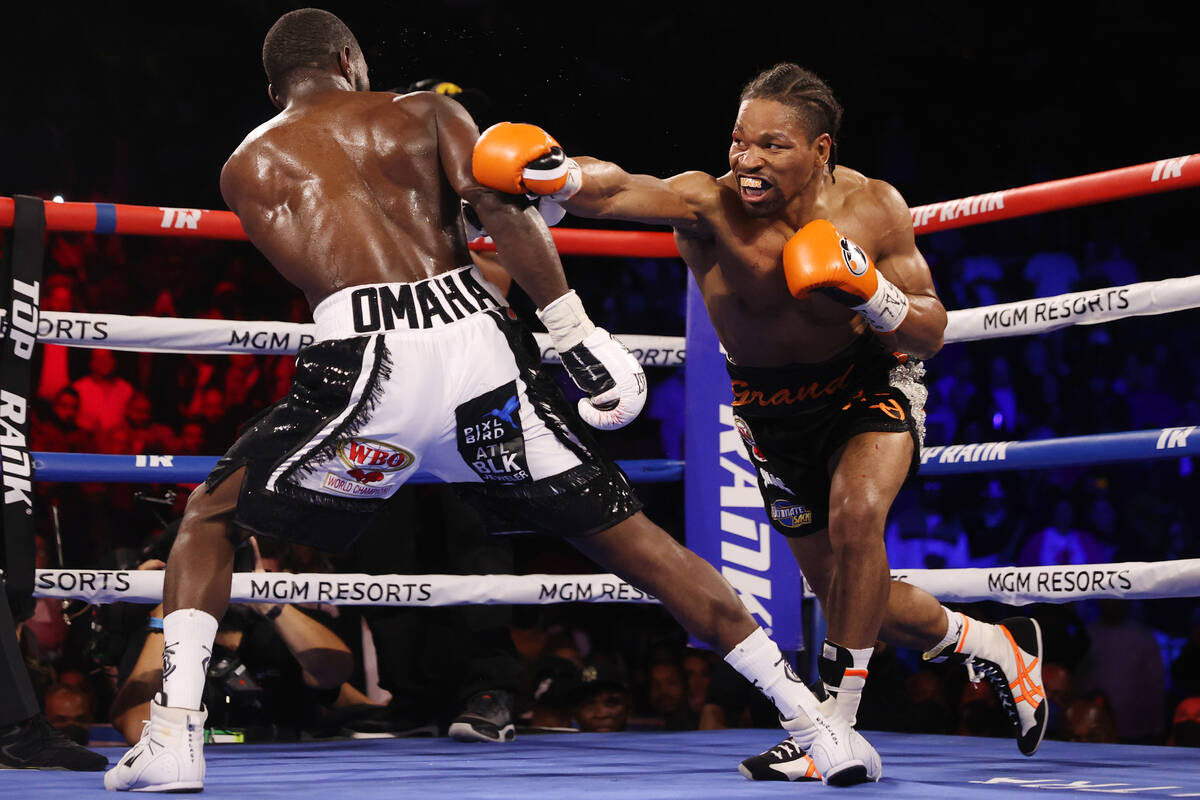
(856, 523)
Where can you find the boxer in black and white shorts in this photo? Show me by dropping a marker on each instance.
(385, 391)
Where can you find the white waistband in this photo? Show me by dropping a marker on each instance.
(434, 302)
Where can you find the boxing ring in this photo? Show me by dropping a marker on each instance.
(697, 764)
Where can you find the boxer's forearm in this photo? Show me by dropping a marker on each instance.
(523, 246)
(921, 335)
(609, 192)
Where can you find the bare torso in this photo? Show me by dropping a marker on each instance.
(346, 188)
(738, 265)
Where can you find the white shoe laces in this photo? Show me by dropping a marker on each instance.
(984, 669)
(786, 750)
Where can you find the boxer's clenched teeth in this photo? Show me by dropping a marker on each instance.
(752, 187)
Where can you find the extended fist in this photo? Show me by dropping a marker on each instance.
(518, 158)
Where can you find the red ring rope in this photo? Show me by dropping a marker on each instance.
(1099, 187)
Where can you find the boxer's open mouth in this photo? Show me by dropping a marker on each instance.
(753, 187)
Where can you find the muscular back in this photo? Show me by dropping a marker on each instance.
(346, 188)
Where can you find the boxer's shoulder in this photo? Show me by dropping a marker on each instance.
(864, 205)
(703, 192)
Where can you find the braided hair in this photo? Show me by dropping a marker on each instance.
(807, 95)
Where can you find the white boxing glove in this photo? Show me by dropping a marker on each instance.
(599, 364)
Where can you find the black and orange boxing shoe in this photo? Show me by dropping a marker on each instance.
(1009, 656)
(785, 761)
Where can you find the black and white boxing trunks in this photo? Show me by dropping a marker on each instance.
(439, 376)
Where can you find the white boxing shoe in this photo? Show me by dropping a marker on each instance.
(169, 757)
(1009, 656)
(840, 754)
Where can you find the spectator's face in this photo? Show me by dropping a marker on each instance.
(68, 710)
(1058, 683)
(115, 441)
(1088, 722)
(193, 437)
(666, 692)
(103, 363)
(214, 404)
(138, 411)
(59, 299)
(605, 711)
(66, 407)
(67, 707)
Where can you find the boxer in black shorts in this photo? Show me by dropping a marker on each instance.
(794, 419)
(355, 197)
(812, 278)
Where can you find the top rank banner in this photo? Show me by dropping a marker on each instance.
(726, 523)
(20, 282)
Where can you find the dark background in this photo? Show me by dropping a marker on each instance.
(142, 103)
(145, 101)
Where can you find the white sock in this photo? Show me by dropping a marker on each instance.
(759, 660)
(955, 622)
(187, 647)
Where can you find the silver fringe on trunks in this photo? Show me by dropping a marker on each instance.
(907, 377)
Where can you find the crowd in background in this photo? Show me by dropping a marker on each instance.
(616, 667)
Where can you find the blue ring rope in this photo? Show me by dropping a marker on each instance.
(1104, 448)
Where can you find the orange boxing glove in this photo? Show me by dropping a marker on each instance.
(518, 158)
(818, 258)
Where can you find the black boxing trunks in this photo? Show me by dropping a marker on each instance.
(437, 375)
(794, 418)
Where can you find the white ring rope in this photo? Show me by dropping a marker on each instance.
(219, 336)
(1135, 580)
(1044, 314)
(1038, 315)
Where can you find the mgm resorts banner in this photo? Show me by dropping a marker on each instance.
(1012, 585)
(726, 523)
(145, 586)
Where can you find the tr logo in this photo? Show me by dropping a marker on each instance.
(153, 461)
(180, 217)
(1168, 168)
(1173, 437)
